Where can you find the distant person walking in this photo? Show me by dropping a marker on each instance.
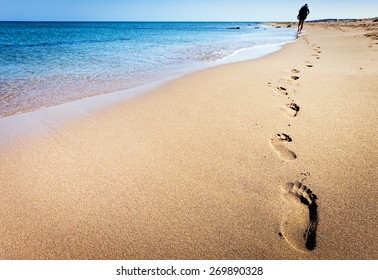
(303, 12)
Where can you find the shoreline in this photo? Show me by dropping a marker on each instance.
(57, 115)
(241, 55)
(28, 93)
(217, 164)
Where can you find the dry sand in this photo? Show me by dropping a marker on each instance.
(268, 159)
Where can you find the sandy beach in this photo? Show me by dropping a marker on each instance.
(274, 158)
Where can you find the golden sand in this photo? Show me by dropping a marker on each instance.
(274, 158)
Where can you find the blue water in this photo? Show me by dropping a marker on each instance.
(43, 64)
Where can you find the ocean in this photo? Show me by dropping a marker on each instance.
(48, 63)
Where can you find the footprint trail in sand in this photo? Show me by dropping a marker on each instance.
(300, 221)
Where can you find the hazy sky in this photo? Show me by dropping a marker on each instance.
(182, 10)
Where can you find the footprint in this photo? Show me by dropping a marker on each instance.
(299, 225)
(316, 48)
(277, 143)
(296, 71)
(292, 109)
(309, 65)
(295, 78)
(281, 90)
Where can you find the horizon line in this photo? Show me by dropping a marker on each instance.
(194, 21)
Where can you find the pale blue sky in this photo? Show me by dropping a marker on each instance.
(182, 10)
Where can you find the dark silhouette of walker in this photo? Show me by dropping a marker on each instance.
(302, 15)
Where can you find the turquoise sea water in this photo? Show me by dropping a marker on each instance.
(48, 63)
